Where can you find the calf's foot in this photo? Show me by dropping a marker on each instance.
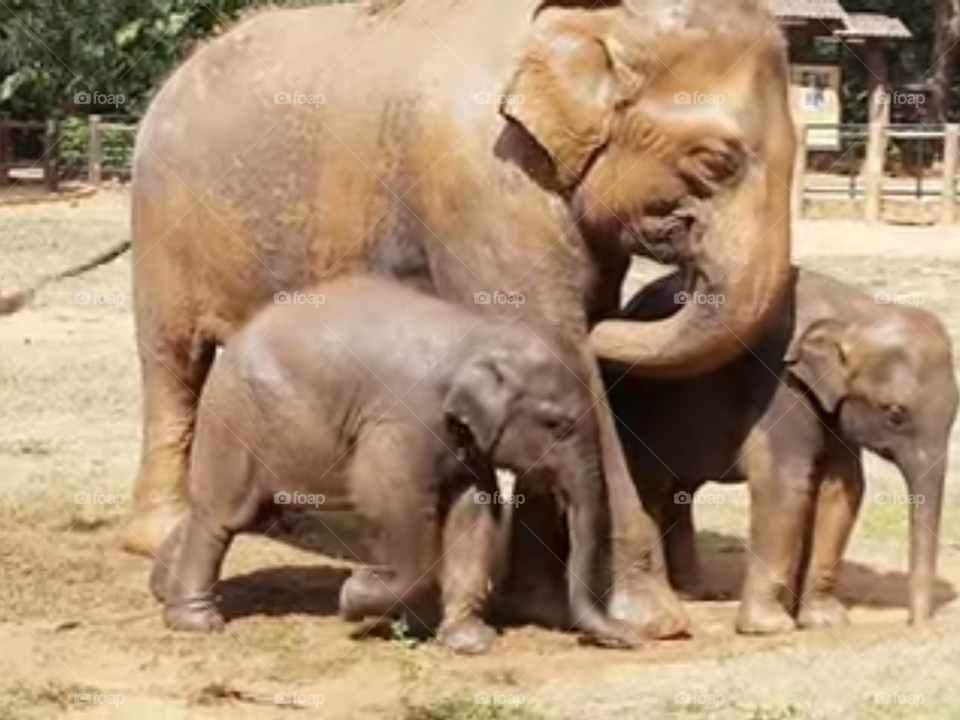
(821, 610)
(470, 636)
(760, 617)
(195, 616)
(655, 613)
(599, 628)
(364, 595)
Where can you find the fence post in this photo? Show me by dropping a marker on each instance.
(94, 152)
(50, 178)
(873, 181)
(951, 147)
(800, 169)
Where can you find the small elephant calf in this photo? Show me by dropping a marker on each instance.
(402, 405)
(836, 373)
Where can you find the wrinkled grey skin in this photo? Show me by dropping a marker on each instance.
(401, 404)
(837, 375)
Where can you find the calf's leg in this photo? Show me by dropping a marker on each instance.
(472, 554)
(680, 542)
(386, 480)
(188, 601)
(780, 499)
(838, 502)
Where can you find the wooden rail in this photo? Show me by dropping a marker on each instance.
(871, 184)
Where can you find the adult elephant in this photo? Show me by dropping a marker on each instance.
(313, 142)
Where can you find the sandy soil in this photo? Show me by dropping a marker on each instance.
(75, 613)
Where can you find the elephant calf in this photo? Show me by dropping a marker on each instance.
(403, 405)
(835, 374)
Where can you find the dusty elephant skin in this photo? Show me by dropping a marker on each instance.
(836, 375)
(311, 401)
(405, 169)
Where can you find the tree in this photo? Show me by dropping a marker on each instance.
(51, 50)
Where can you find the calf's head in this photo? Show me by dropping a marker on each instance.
(521, 406)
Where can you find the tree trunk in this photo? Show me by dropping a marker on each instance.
(946, 35)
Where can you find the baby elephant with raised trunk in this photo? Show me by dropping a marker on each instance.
(836, 373)
(403, 405)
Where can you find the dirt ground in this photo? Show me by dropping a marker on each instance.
(76, 616)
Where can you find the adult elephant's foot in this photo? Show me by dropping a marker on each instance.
(148, 529)
(470, 636)
(193, 616)
(821, 611)
(760, 617)
(655, 613)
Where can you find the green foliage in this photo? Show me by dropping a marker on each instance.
(52, 49)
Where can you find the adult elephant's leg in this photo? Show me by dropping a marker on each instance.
(174, 363)
(838, 502)
(642, 595)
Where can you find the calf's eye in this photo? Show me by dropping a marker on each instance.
(897, 415)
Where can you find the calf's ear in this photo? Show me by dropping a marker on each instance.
(479, 399)
(819, 360)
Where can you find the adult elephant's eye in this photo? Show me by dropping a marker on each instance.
(711, 165)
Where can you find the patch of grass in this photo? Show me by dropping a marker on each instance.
(461, 709)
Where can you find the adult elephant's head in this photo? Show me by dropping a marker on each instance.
(668, 128)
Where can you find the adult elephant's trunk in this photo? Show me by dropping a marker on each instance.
(743, 261)
(925, 472)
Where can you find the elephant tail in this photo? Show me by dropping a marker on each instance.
(14, 300)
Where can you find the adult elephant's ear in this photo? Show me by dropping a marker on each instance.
(819, 360)
(563, 93)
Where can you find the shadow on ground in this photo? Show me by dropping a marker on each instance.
(723, 567)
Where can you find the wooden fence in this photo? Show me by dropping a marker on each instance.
(31, 145)
(15, 134)
(928, 174)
